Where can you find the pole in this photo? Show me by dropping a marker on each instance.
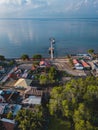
(52, 41)
(51, 50)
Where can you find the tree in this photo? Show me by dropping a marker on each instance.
(25, 57)
(43, 79)
(90, 51)
(81, 118)
(12, 62)
(29, 120)
(52, 74)
(56, 100)
(77, 101)
(10, 115)
(49, 76)
(37, 57)
(2, 58)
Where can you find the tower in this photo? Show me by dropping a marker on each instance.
(51, 49)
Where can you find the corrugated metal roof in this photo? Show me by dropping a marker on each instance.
(85, 64)
(32, 100)
(23, 82)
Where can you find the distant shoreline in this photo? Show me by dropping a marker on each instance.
(58, 57)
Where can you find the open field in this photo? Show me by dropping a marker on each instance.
(63, 64)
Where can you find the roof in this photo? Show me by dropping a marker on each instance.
(42, 62)
(7, 120)
(1, 91)
(75, 61)
(1, 99)
(33, 91)
(17, 108)
(79, 67)
(95, 65)
(32, 100)
(84, 63)
(6, 108)
(23, 83)
(2, 108)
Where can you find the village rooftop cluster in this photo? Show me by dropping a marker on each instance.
(22, 84)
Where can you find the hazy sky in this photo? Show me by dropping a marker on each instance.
(48, 8)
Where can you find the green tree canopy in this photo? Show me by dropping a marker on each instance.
(90, 51)
(37, 57)
(52, 75)
(43, 79)
(12, 62)
(77, 101)
(49, 76)
(2, 58)
(25, 57)
(10, 115)
(29, 120)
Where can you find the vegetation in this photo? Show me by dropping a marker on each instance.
(37, 57)
(2, 58)
(76, 103)
(49, 77)
(12, 62)
(25, 57)
(29, 120)
(52, 74)
(90, 51)
(58, 124)
(43, 79)
(70, 60)
(10, 115)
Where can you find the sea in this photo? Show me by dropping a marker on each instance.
(32, 36)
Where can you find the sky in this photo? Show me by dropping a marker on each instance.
(48, 8)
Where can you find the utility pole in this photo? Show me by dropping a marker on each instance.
(51, 49)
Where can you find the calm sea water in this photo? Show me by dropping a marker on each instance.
(31, 36)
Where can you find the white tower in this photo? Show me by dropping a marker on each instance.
(51, 49)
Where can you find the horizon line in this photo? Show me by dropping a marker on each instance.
(53, 18)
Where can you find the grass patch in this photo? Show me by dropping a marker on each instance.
(58, 124)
